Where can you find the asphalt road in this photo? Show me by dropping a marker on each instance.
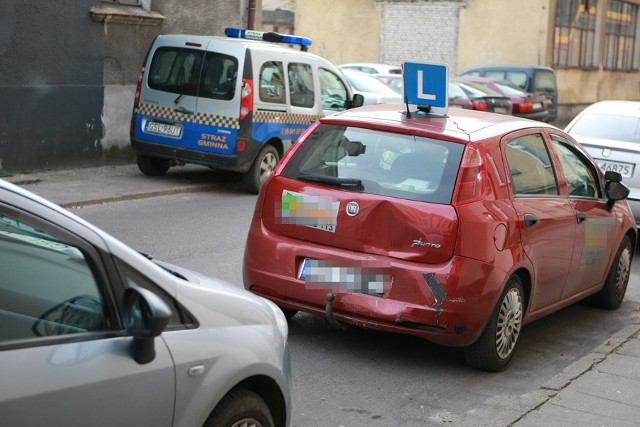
(360, 377)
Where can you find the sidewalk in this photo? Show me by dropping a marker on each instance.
(601, 389)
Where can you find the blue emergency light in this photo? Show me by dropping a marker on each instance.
(303, 42)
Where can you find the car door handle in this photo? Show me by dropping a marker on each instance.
(530, 220)
(581, 217)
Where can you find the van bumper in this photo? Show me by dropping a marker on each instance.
(236, 162)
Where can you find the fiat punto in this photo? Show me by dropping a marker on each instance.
(458, 229)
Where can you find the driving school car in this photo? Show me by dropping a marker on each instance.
(458, 228)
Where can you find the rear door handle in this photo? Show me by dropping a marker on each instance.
(530, 220)
(581, 217)
(183, 110)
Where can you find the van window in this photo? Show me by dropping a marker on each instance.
(219, 74)
(301, 85)
(544, 82)
(272, 88)
(175, 70)
(333, 91)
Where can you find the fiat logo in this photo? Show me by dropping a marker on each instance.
(353, 208)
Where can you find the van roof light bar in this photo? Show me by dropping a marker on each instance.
(303, 42)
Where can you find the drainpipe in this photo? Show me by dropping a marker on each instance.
(251, 16)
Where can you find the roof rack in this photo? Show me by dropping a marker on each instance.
(303, 42)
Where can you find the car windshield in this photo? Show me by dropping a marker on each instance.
(608, 126)
(376, 162)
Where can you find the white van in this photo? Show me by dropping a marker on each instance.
(234, 103)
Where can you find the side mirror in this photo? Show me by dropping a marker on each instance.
(357, 101)
(612, 176)
(145, 317)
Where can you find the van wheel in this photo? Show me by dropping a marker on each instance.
(615, 285)
(263, 166)
(240, 408)
(495, 347)
(152, 165)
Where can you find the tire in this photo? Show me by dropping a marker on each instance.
(495, 347)
(288, 312)
(615, 285)
(263, 166)
(240, 408)
(152, 166)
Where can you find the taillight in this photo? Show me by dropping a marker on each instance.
(523, 108)
(136, 102)
(472, 177)
(246, 100)
(480, 105)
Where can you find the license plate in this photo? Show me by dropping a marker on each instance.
(500, 110)
(537, 105)
(328, 275)
(163, 129)
(624, 169)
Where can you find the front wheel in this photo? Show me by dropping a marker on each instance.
(263, 166)
(495, 347)
(615, 285)
(240, 408)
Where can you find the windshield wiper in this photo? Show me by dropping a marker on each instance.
(351, 183)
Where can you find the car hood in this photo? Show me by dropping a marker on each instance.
(219, 303)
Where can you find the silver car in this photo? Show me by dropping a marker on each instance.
(610, 131)
(94, 333)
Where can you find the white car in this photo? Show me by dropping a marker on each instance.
(371, 88)
(610, 131)
(94, 333)
(372, 68)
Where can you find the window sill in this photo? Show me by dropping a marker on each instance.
(125, 15)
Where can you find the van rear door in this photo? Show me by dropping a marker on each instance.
(169, 90)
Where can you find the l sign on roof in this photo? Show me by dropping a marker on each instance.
(426, 85)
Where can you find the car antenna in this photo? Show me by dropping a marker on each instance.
(406, 101)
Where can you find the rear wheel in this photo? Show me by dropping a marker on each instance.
(240, 408)
(495, 347)
(615, 286)
(152, 165)
(263, 166)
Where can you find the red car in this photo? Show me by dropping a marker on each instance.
(534, 106)
(456, 229)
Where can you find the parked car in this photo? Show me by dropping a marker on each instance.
(458, 229)
(372, 89)
(232, 103)
(534, 106)
(531, 79)
(610, 131)
(372, 68)
(483, 98)
(92, 332)
(392, 80)
(457, 96)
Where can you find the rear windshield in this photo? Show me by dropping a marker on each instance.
(608, 126)
(377, 162)
(178, 70)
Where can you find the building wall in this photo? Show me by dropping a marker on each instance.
(51, 84)
(504, 32)
(341, 31)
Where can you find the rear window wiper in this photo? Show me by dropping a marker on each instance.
(352, 183)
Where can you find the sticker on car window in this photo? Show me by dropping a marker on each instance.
(318, 212)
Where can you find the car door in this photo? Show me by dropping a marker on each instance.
(547, 221)
(595, 225)
(64, 357)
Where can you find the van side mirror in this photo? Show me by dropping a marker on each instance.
(145, 317)
(357, 101)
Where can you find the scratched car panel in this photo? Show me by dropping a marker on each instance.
(458, 229)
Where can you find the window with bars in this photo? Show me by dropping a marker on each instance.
(575, 34)
(620, 36)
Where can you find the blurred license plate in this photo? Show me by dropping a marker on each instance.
(500, 110)
(624, 169)
(537, 105)
(163, 129)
